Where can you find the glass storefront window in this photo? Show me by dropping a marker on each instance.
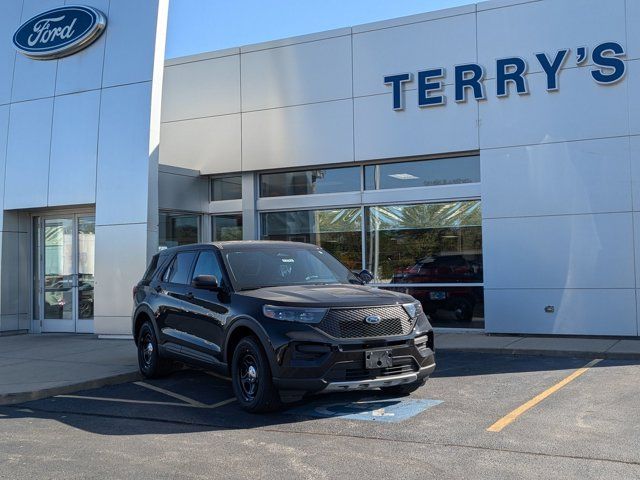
(337, 230)
(327, 180)
(425, 243)
(226, 188)
(438, 243)
(178, 229)
(226, 227)
(423, 173)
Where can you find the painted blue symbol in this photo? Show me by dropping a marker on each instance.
(368, 409)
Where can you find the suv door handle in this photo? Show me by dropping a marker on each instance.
(189, 295)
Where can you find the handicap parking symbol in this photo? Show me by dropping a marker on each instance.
(373, 410)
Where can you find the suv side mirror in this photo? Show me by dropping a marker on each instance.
(206, 282)
(366, 276)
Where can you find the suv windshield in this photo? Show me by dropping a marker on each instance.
(276, 266)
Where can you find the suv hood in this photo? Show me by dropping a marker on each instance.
(327, 296)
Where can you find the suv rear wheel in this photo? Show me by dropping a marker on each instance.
(151, 364)
(251, 377)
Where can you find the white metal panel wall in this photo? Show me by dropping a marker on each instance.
(309, 72)
(441, 42)
(72, 171)
(203, 88)
(9, 21)
(82, 72)
(28, 146)
(547, 26)
(633, 77)
(558, 227)
(127, 173)
(633, 29)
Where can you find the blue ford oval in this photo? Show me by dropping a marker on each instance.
(59, 32)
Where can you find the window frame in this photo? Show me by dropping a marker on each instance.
(213, 178)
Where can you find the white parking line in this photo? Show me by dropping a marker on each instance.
(217, 375)
(169, 393)
(148, 402)
(124, 400)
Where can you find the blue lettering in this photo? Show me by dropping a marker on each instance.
(552, 69)
(425, 86)
(611, 68)
(504, 75)
(396, 82)
(464, 81)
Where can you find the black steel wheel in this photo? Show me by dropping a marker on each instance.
(151, 364)
(251, 377)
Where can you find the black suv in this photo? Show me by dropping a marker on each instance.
(283, 319)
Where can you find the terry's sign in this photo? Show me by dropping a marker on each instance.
(608, 68)
(59, 32)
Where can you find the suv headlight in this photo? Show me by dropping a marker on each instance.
(294, 314)
(413, 309)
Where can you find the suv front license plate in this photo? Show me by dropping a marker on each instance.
(378, 359)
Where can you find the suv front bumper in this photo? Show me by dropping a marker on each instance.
(309, 367)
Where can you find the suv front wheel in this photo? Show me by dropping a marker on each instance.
(251, 377)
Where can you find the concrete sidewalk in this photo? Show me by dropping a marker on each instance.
(588, 347)
(38, 366)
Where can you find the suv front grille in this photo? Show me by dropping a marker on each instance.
(350, 323)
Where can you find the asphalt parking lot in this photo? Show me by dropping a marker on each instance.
(480, 416)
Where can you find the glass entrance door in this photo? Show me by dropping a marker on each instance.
(64, 272)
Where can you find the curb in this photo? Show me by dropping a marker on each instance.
(21, 397)
(545, 353)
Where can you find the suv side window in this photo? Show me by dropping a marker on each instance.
(178, 271)
(207, 264)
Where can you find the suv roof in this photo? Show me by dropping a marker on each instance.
(236, 244)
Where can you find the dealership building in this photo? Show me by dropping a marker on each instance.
(485, 159)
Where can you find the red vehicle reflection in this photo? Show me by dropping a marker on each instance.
(461, 301)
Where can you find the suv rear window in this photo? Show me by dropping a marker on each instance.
(179, 269)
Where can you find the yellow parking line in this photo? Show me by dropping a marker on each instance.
(510, 417)
(169, 393)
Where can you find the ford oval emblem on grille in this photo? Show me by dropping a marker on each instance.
(372, 319)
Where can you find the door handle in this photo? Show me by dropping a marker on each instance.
(189, 295)
(158, 288)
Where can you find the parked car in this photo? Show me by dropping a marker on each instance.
(446, 269)
(282, 319)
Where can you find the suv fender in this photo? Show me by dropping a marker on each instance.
(258, 331)
(145, 309)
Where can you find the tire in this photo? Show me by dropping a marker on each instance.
(251, 377)
(463, 310)
(151, 364)
(401, 390)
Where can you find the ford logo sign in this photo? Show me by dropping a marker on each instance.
(59, 32)
(372, 319)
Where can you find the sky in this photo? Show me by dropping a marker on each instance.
(197, 26)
